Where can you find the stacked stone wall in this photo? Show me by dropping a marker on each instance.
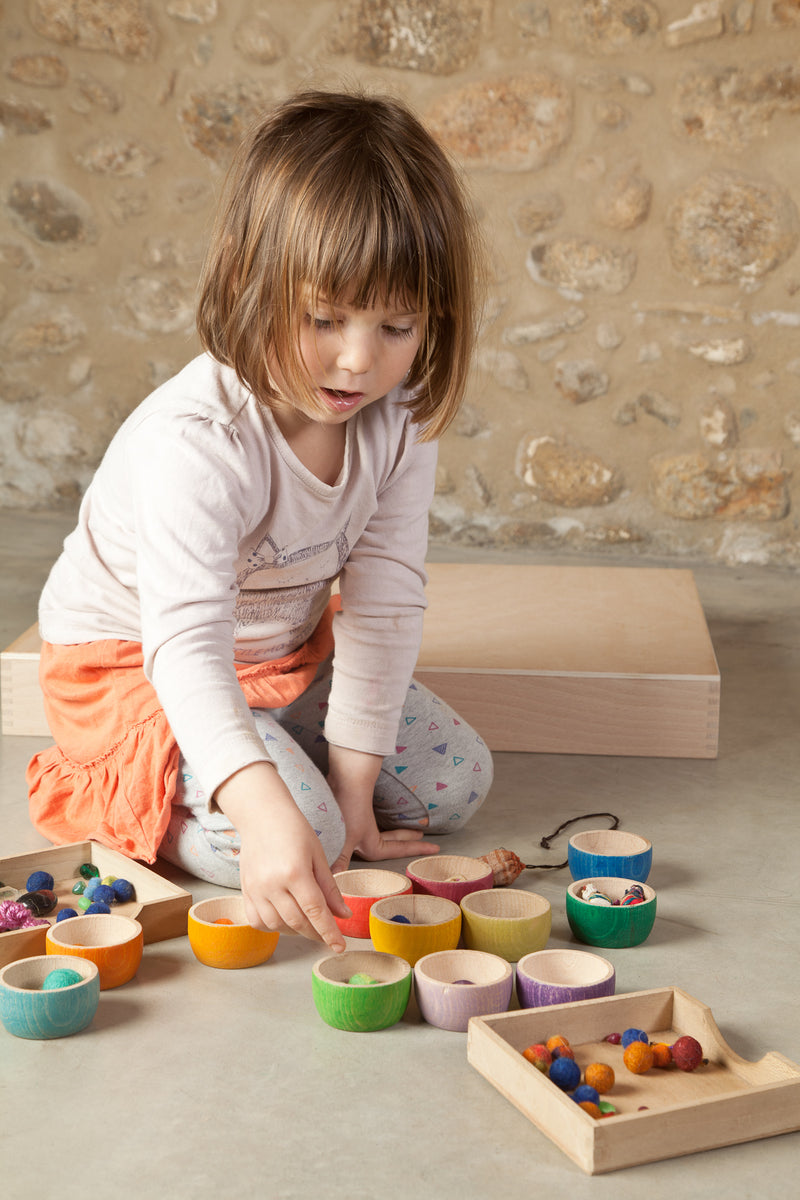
(635, 166)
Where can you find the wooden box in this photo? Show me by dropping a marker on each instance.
(20, 694)
(159, 906)
(725, 1101)
(574, 660)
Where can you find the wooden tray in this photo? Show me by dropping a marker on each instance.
(160, 907)
(728, 1100)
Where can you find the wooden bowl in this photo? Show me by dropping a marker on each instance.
(361, 1007)
(113, 943)
(434, 923)
(360, 889)
(453, 876)
(609, 852)
(454, 985)
(614, 927)
(562, 976)
(28, 1012)
(509, 923)
(227, 946)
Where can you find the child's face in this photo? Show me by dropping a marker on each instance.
(354, 356)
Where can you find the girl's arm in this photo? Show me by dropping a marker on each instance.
(286, 881)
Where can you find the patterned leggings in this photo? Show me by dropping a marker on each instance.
(436, 779)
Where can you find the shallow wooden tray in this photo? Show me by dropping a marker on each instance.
(160, 907)
(729, 1100)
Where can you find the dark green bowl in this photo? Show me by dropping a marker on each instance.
(614, 927)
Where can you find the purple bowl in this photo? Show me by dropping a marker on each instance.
(562, 976)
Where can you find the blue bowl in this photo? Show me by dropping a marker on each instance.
(28, 1012)
(609, 852)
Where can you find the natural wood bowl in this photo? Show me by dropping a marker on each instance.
(229, 946)
(563, 976)
(28, 1012)
(510, 923)
(453, 876)
(613, 927)
(360, 889)
(113, 943)
(455, 985)
(612, 852)
(361, 1008)
(434, 923)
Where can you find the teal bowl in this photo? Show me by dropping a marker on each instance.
(612, 852)
(614, 927)
(361, 1007)
(28, 1012)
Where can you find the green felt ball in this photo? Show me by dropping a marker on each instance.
(360, 979)
(60, 978)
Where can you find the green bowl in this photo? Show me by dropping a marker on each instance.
(615, 926)
(361, 1007)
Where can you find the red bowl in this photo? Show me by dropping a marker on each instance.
(360, 889)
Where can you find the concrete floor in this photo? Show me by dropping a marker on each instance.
(191, 1082)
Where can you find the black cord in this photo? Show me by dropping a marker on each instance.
(545, 842)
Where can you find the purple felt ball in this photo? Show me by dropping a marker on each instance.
(634, 1035)
(39, 880)
(98, 907)
(65, 914)
(565, 1073)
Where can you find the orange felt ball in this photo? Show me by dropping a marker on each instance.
(223, 921)
(538, 1055)
(600, 1076)
(557, 1042)
(662, 1055)
(638, 1057)
(591, 1108)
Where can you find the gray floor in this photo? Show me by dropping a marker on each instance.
(191, 1082)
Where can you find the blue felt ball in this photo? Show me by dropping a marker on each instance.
(98, 907)
(123, 890)
(91, 887)
(634, 1035)
(565, 1073)
(39, 880)
(585, 1092)
(65, 914)
(103, 894)
(400, 919)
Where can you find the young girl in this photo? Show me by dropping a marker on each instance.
(211, 702)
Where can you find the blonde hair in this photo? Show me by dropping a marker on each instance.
(347, 196)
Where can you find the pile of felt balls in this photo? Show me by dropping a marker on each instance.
(556, 1059)
(96, 895)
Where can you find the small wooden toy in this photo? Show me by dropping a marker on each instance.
(448, 1001)
(509, 923)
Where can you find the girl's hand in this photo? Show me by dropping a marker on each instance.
(351, 777)
(286, 881)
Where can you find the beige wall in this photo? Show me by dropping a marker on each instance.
(636, 167)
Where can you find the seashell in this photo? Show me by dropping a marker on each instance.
(505, 864)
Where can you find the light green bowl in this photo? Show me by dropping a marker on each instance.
(361, 1007)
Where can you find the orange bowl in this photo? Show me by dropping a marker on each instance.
(231, 945)
(113, 943)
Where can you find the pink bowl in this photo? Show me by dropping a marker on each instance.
(453, 876)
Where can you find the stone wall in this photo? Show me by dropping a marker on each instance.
(635, 165)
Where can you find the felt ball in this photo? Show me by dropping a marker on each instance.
(469, 982)
(600, 1076)
(591, 1108)
(65, 914)
(563, 1052)
(91, 886)
(638, 1057)
(687, 1053)
(98, 907)
(557, 1040)
(565, 1073)
(662, 1055)
(39, 880)
(60, 978)
(634, 1035)
(361, 979)
(539, 1056)
(88, 871)
(103, 894)
(585, 1092)
(400, 919)
(123, 890)
(223, 921)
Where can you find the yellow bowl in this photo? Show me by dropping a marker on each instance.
(113, 943)
(509, 923)
(233, 944)
(431, 923)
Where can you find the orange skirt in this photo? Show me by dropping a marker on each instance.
(112, 775)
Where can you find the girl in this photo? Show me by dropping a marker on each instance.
(210, 701)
